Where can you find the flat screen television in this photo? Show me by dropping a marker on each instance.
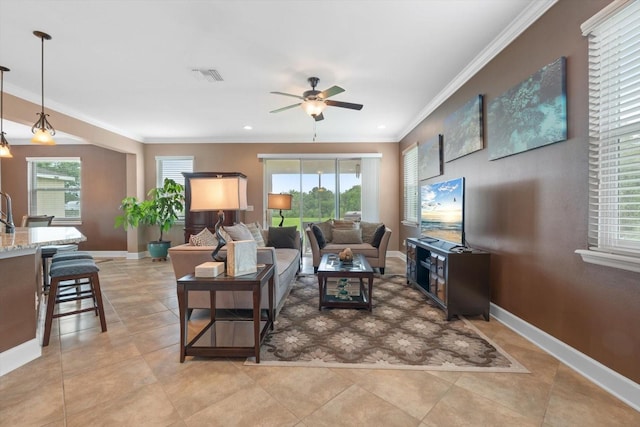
(442, 211)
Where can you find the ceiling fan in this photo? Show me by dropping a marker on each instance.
(314, 101)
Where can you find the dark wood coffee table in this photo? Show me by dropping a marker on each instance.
(229, 337)
(331, 267)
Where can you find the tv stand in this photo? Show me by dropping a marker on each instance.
(455, 277)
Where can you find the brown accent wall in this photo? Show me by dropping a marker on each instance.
(103, 187)
(530, 210)
(244, 158)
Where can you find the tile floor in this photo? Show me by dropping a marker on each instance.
(131, 376)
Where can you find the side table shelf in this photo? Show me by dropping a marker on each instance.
(239, 337)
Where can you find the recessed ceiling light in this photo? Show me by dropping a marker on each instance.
(247, 127)
(382, 127)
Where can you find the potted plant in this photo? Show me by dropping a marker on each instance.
(161, 209)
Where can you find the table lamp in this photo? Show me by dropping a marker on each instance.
(220, 192)
(279, 201)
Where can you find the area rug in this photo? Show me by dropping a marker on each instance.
(405, 330)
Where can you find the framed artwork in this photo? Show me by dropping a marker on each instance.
(430, 158)
(463, 130)
(529, 115)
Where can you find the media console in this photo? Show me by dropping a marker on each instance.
(456, 278)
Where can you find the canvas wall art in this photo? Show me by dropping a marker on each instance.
(463, 130)
(430, 158)
(529, 115)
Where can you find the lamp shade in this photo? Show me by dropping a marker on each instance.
(279, 201)
(219, 193)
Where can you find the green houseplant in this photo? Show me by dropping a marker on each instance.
(160, 209)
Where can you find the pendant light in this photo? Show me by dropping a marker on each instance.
(4, 144)
(42, 129)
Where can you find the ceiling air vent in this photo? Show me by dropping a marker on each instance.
(209, 75)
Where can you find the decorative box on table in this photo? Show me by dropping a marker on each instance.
(209, 269)
(242, 257)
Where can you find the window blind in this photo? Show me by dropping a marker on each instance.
(410, 174)
(614, 130)
(172, 168)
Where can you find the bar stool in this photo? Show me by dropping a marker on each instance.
(79, 272)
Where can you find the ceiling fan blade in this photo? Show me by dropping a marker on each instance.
(286, 108)
(287, 94)
(344, 105)
(318, 117)
(333, 90)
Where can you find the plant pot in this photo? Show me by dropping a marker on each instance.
(159, 250)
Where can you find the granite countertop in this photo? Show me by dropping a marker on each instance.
(32, 237)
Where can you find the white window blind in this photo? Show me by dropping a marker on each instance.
(614, 130)
(410, 176)
(172, 167)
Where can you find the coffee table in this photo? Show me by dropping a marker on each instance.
(231, 337)
(331, 267)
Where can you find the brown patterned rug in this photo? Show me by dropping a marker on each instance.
(406, 330)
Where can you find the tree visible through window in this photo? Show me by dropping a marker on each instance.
(55, 187)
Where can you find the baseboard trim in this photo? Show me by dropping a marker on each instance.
(618, 385)
(19, 355)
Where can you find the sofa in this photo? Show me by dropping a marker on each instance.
(185, 257)
(333, 236)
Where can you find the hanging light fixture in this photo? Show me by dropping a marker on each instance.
(42, 129)
(4, 144)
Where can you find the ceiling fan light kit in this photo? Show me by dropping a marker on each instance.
(314, 101)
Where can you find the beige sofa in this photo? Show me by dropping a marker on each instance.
(377, 257)
(185, 257)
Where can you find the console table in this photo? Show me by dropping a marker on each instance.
(229, 337)
(456, 278)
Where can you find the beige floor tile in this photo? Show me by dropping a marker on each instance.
(165, 362)
(460, 407)
(415, 392)
(521, 392)
(301, 390)
(105, 384)
(358, 407)
(203, 383)
(147, 405)
(83, 360)
(155, 339)
(41, 405)
(233, 410)
(152, 321)
(115, 332)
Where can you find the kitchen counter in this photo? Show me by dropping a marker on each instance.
(21, 290)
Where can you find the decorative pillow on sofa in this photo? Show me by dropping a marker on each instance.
(317, 232)
(256, 232)
(203, 238)
(347, 236)
(377, 236)
(326, 227)
(342, 224)
(282, 237)
(369, 230)
(238, 232)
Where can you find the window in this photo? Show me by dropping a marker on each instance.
(410, 179)
(172, 167)
(614, 131)
(54, 186)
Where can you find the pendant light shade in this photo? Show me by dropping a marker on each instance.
(42, 129)
(5, 151)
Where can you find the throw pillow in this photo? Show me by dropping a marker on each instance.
(325, 227)
(282, 237)
(344, 224)
(377, 236)
(239, 232)
(317, 232)
(347, 236)
(225, 235)
(256, 232)
(203, 238)
(368, 230)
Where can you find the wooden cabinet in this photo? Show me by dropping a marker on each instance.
(457, 281)
(195, 222)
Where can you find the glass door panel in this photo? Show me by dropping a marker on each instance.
(350, 185)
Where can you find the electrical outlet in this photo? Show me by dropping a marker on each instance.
(249, 208)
